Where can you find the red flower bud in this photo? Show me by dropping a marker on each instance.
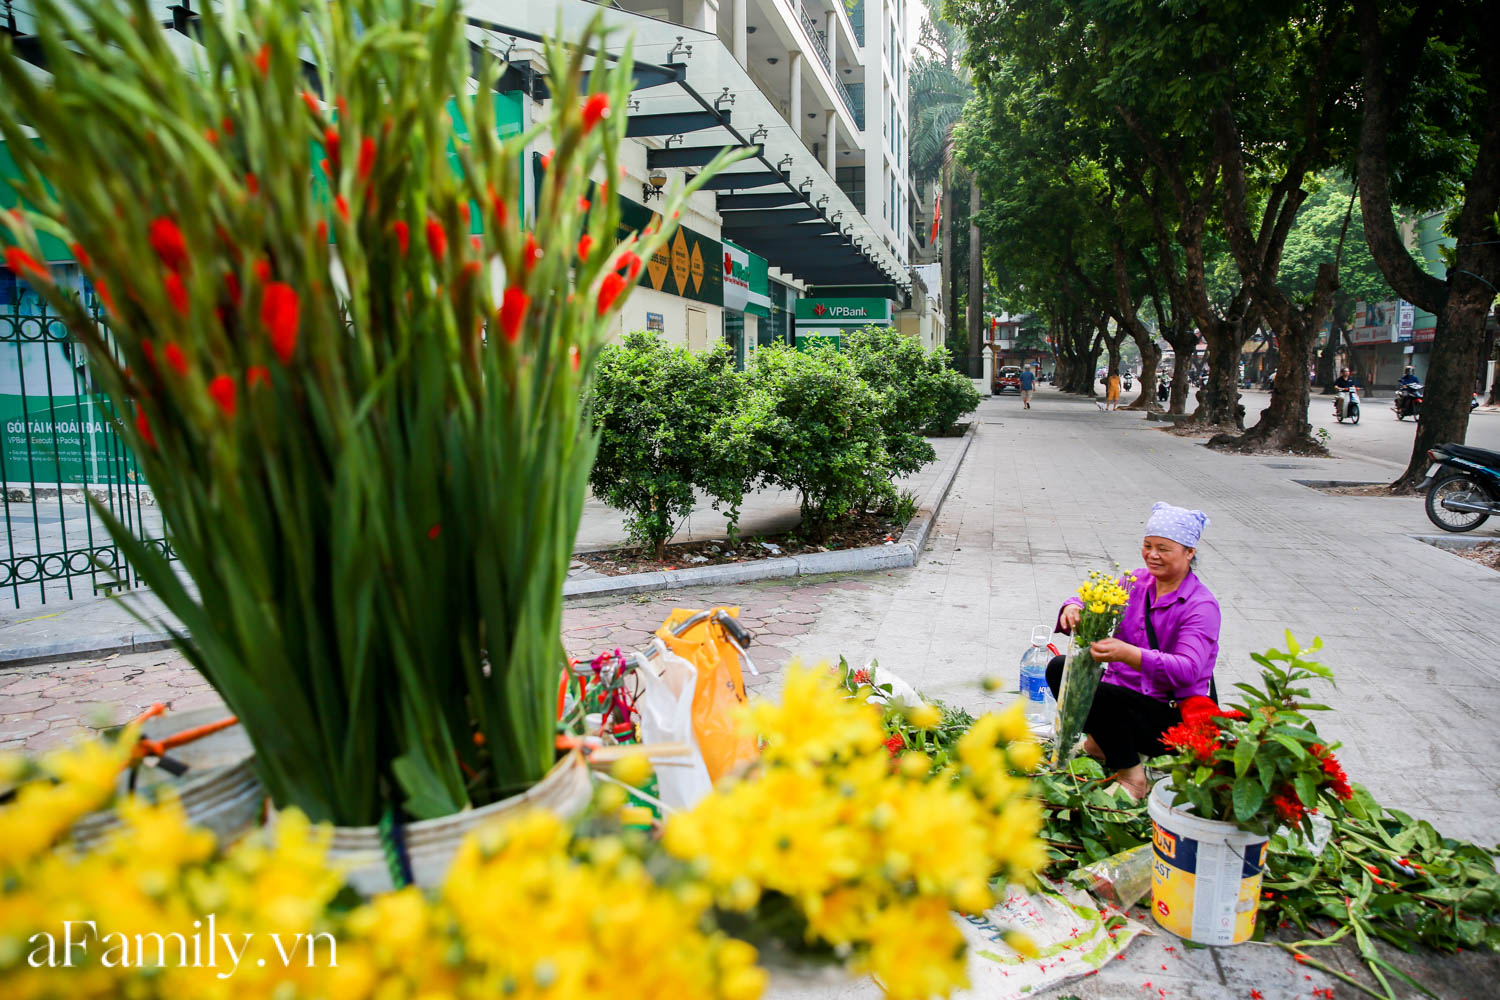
(211, 136)
(609, 290)
(227, 125)
(403, 235)
(366, 157)
(280, 313)
(24, 264)
(629, 262)
(513, 306)
(530, 254)
(223, 391)
(262, 270)
(331, 145)
(102, 290)
(574, 357)
(166, 239)
(499, 209)
(143, 426)
(437, 239)
(252, 184)
(594, 109)
(232, 286)
(175, 359)
(257, 374)
(176, 292)
(81, 256)
(149, 350)
(463, 211)
(342, 105)
(263, 60)
(585, 244)
(434, 531)
(547, 159)
(341, 205)
(583, 204)
(322, 228)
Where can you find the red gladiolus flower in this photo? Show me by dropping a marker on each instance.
(211, 136)
(499, 209)
(585, 244)
(232, 286)
(223, 391)
(575, 357)
(176, 292)
(331, 146)
(594, 109)
(341, 205)
(149, 350)
(609, 290)
(176, 359)
(263, 60)
(513, 306)
(263, 270)
(629, 262)
(24, 264)
(366, 157)
(437, 239)
(547, 159)
(252, 184)
(583, 204)
(143, 427)
(227, 125)
(256, 374)
(102, 290)
(81, 256)
(280, 312)
(434, 531)
(322, 230)
(530, 254)
(312, 102)
(166, 239)
(403, 235)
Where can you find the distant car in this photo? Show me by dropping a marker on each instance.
(1008, 379)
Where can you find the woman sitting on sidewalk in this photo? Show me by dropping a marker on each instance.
(1163, 651)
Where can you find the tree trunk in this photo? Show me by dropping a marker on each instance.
(1283, 424)
(976, 276)
(1450, 374)
(1177, 401)
(1150, 360)
(950, 266)
(1112, 346)
(1327, 358)
(1219, 399)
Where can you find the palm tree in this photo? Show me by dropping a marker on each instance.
(938, 90)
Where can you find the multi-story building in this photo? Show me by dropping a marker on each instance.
(814, 224)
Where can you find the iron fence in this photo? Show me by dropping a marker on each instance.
(60, 448)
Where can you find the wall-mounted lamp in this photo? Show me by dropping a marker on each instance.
(786, 162)
(822, 200)
(772, 60)
(671, 139)
(806, 185)
(749, 29)
(759, 134)
(687, 51)
(655, 181)
(723, 99)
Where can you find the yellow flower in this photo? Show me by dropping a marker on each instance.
(925, 716)
(634, 769)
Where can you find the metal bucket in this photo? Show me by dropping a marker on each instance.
(432, 843)
(219, 790)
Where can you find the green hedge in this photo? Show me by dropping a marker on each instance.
(836, 427)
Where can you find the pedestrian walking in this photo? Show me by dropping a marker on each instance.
(1163, 651)
(1028, 382)
(1112, 392)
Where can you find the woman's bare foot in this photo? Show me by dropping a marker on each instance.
(1092, 749)
(1133, 780)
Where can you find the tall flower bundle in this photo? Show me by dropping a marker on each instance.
(1104, 599)
(351, 370)
(1262, 763)
(867, 856)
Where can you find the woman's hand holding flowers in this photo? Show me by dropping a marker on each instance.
(1115, 651)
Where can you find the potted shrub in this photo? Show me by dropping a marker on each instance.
(352, 375)
(1238, 774)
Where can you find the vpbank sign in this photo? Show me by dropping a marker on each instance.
(831, 315)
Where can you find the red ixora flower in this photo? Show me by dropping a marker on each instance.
(223, 391)
(166, 239)
(595, 109)
(895, 744)
(513, 306)
(861, 676)
(609, 290)
(1288, 806)
(280, 312)
(1201, 738)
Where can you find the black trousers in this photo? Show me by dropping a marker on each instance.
(1125, 723)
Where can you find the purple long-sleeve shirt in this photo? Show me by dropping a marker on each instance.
(1187, 628)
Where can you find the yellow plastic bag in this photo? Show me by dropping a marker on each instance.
(700, 638)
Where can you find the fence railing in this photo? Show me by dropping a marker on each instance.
(60, 448)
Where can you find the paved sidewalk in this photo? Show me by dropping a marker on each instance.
(1044, 496)
(87, 624)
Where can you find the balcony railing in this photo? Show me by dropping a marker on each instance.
(814, 35)
(856, 12)
(856, 107)
(818, 39)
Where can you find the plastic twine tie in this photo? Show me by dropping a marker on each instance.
(393, 846)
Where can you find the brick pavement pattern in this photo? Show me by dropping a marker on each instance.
(1043, 497)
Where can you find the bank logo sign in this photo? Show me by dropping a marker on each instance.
(842, 314)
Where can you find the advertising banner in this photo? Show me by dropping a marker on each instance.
(689, 265)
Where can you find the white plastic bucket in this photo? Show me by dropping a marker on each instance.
(219, 792)
(432, 843)
(1205, 874)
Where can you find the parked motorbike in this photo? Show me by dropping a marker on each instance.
(1463, 486)
(1346, 405)
(1408, 401)
(1128, 381)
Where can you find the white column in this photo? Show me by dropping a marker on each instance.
(989, 370)
(830, 153)
(794, 60)
(740, 35)
(831, 28)
(702, 14)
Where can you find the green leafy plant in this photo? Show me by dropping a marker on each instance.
(810, 424)
(356, 379)
(901, 372)
(1261, 763)
(655, 408)
(954, 395)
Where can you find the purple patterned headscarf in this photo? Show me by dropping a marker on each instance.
(1181, 525)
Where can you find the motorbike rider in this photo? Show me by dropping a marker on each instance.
(1344, 381)
(1409, 377)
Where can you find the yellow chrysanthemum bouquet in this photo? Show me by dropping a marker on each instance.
(1103, 598)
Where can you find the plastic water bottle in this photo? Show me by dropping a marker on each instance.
(1040, 705)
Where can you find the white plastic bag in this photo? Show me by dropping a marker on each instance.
(666, 707)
